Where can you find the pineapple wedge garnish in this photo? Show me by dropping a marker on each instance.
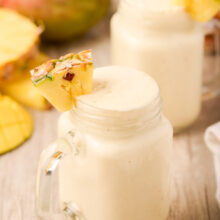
(200, 10)
(16, 124)
(61, 80)
(18, 42)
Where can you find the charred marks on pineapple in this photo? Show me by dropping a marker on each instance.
(35, 70)
(86, 56)
(50, 65)
(67, 56)
(43, 70)
(69, 76)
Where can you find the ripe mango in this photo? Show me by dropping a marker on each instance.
(16, 124)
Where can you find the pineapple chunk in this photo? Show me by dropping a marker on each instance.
(61, 80)
(18, 41)
(15, 124)
(200, 10)
(22, 89)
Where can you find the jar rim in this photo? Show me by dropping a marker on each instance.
(86, 107)
(97, 119)
(173, 17)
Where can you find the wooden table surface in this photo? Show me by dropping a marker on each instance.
(193, 188)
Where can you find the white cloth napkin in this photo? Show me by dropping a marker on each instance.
(212, 139)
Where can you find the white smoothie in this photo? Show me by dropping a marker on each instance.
(163, 41)
(122, 170)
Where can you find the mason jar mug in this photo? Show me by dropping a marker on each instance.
(113, 164)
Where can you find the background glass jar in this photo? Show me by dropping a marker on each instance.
(167, 44)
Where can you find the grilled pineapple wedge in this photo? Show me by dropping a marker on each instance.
(18, 42)
(22, 89)
(61, 80)
(16, 124)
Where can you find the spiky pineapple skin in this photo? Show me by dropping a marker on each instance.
(8, 69)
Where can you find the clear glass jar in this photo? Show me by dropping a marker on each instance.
(117, 163)
(163, 41)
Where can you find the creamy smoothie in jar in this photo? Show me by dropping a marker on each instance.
(120, 168)
(164, 41)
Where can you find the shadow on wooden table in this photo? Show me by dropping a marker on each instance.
(210, 114)
(193, 187)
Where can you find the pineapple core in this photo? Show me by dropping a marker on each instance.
(61, 80)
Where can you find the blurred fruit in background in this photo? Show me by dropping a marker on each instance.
(18, 54)
(200, 10)
(62, 19)
(16, 124)
(21, 88)
(18, 42)
(212, 34)
(211, 75)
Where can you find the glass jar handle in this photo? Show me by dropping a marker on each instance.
(49, 160)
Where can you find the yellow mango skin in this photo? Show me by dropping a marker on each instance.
(200, 10)
(61, 93)
(16, 124)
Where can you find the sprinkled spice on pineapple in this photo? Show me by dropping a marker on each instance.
(61, 80)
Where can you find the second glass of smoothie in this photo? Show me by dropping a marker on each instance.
(164, 41)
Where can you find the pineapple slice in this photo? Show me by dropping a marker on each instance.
(61, 80)
(22, 89)
(15, 124)
(200, 10)
(18, 41)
